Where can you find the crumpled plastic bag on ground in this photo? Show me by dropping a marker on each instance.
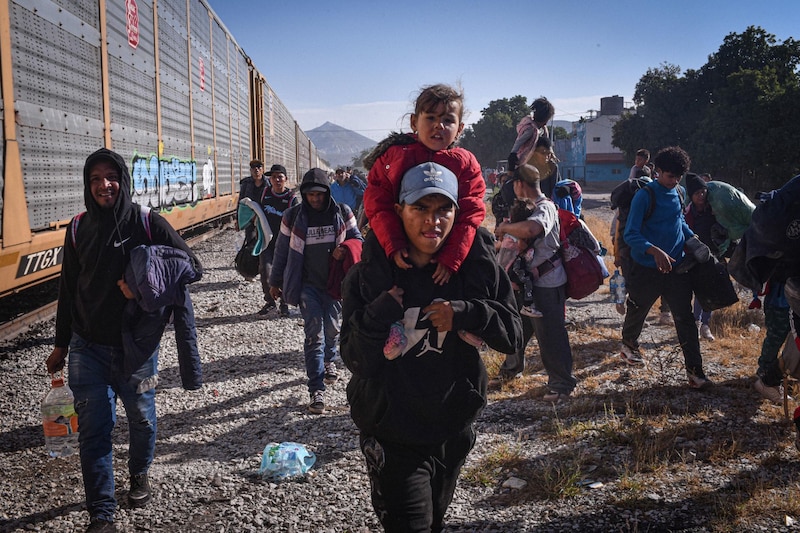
(285, 460)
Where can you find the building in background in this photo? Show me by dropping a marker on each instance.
(588, 156)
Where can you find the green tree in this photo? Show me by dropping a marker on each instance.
(493, 135)
(736, 116)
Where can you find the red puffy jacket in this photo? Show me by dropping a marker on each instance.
(383, 190)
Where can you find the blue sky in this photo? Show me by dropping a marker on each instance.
(359, 64)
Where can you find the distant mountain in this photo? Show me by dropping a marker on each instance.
(338, 145)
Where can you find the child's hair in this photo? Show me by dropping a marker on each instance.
(521, 209)
(672, 159)
(545, 142)
(543, 110)
(643, 152)
(433, 95)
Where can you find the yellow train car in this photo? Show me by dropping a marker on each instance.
(161, 82)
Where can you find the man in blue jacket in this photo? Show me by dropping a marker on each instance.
(657, 238)
(89, 327)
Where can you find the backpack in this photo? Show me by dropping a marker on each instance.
(246, 263)
(144, 215)
(579, 253)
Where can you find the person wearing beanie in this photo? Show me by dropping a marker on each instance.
(313, 234)
(701, 220)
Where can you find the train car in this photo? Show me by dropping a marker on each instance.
(162, 82)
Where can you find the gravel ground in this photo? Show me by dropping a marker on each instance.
(210, 441)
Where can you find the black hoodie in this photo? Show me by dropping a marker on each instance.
(89, 301)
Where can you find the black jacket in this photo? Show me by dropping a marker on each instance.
(89, 301)
(438, 386)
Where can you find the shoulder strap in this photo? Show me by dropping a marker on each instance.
(652, 195)
(144, 214)
(73, 228)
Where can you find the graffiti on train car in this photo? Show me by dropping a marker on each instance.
(169, 180)
(41, 260)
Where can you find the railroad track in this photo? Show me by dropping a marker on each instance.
(17, 325)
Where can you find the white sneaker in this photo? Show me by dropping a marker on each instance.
(772, 394)
(705, 332)
(531, 311)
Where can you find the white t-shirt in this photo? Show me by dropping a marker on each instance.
(547, 244)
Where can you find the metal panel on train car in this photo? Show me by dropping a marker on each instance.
(56, 54)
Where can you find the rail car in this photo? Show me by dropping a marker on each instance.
(162, 82)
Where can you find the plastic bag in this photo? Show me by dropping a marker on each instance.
(509, 250)
(285, 460)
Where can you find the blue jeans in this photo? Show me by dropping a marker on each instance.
(700, 314)
(322, 317)
(95, 377)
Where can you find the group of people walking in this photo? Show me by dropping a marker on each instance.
(406, 305)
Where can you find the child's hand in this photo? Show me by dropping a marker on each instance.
(399, 259)
(442, 274)
(396, 293)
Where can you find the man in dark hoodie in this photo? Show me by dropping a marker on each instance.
(89, 327)
(415, 407)
(312, 233)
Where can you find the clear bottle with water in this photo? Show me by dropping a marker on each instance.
(621, 295)
(59, 420)
(613, 284)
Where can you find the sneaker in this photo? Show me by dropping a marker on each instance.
(317, 405)
(755, 304)
(630, 354)
(101, 526)
(331, 375)
(139, 494)
(665, 319)
(284, 311)
(705, 332)
(555, 397)
(772, 394)
(531, 311)
(699, 382)
(269, 306)
(620, 308)
(396, 342)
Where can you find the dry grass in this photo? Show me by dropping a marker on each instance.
(654, 445)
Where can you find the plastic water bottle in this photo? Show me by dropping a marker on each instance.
(622, 294)
(612, 286)
(285, 460)
(59, 420)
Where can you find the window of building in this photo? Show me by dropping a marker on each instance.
(596, 139)
(616, 171)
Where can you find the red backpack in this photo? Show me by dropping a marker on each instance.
(579, 251)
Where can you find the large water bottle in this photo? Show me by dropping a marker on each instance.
(59, 420)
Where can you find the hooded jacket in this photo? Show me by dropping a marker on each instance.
(90, 303)
(287, 263)
(157, 276)
(437, 387)
(387, 164)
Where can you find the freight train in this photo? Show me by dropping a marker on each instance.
(162, 82)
